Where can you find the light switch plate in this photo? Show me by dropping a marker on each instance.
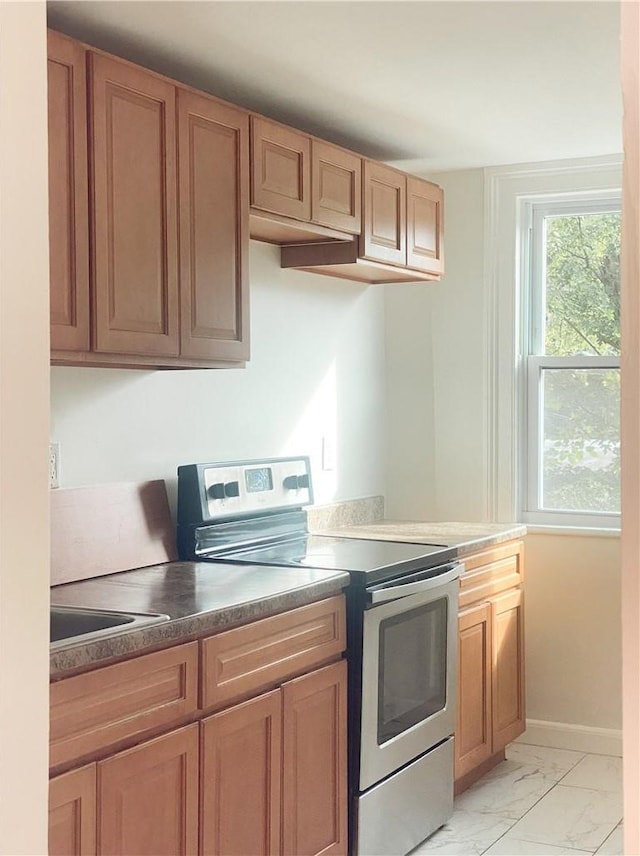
(328, 453)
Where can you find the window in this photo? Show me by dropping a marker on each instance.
(571, 437)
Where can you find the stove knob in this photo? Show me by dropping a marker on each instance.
(232, 489)
(296, 482)
(216, 491)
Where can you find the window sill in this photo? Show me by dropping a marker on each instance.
(588, 531)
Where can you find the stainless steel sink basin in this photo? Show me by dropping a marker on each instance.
(72, 625)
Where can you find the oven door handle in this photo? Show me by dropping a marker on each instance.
(386, 593)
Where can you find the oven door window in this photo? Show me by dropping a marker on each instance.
(412, 668)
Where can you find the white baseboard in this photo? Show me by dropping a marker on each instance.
(581, 738)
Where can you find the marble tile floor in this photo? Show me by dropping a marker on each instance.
(539, 802)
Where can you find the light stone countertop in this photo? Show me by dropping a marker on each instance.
(198, 597)
(467, 537)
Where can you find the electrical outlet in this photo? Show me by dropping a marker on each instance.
(54, 464)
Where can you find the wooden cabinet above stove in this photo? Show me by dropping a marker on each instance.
(401, 238)
(303, 190)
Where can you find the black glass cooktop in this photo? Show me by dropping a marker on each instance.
(370, 559)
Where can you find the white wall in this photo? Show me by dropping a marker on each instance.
(316, 370)
(440, 383)
(436, 393)
(24, 417)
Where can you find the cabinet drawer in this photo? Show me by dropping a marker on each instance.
(245, 660)
(100, 708)
(491, 571)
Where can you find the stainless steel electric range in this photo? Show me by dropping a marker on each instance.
(401, 632)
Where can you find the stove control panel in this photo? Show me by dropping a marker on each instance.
(208, 492)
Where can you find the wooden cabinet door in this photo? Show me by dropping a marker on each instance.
(148, 798)
(473, 730)
(72, 813)
(425, 226)
(241, 774)
(280, 169)
(68, 195)
(213, 159)
(135, 252)
(508, 667)
(384, 233)
(314, 791)
(336, 187)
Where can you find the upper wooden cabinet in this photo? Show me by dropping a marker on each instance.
(68, 195)
(401, 239)
(336, 187)
(403, 220)
(213, 162)
(135, 237)
(425, 226)
(280, 169)
(384, 236)
(154, 192)
(169, 206)
(302, 189)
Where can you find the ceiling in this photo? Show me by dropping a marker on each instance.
(425, 85)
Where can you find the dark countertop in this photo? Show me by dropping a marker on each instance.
(466, 537)
(198, 597)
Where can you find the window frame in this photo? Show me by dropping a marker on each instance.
(534, 210)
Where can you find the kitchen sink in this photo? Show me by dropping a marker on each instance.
(70, 625)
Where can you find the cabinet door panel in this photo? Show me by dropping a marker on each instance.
(425, 226)
(315, 770)
(72, 813)
(134, 206)
(213, 144)
(68, 195)
(149, 798)
(508, 669)
(473, 730)
(280, 169)
(336, 187)
(384, 236)
(241, 767)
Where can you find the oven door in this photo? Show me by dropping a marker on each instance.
(409, 666)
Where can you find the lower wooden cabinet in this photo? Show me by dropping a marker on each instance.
(473, 741)
(72, 813)
(507, 613)
(314, 793)
(491, 705)
(274, 776)
(263, 776)
(241, 767)
(148, 798)
(140, 802)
